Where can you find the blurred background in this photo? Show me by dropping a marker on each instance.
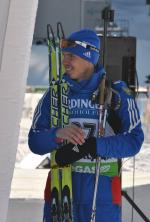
(128, 56)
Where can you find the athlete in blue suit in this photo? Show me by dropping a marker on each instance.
(123, 136)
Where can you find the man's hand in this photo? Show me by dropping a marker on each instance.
(70, 153)
(72, 133)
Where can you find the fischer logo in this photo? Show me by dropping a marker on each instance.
(87, 54)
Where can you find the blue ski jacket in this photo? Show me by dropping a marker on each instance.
(123, 138)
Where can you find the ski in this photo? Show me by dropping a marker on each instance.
(61, 183)
(54, 112)
(64, 120)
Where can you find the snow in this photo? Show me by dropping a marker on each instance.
(142, 162)
(24, 158)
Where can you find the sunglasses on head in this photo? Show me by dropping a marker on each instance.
(65, 43)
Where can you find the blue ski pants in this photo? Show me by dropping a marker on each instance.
(82, 213)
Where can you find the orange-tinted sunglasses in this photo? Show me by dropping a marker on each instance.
(65, 43)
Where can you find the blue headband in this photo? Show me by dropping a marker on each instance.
(88, 36)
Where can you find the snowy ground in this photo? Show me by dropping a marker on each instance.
(142, 162)
(30, 102)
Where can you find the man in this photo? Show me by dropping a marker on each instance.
(123, 133)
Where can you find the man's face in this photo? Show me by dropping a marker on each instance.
(76, 67)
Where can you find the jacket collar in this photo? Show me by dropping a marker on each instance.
(86, 85)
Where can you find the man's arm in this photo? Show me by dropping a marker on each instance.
(130, 138)
(42, 138)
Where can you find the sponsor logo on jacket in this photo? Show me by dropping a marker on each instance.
(82, 103)
(91, 169)
(83, 107)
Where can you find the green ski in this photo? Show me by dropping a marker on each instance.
(64, 120)
(61, 183)
(55, 174)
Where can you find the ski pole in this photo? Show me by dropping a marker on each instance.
(104, 101)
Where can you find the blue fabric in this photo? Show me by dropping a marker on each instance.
(41, 137)
(46, 212)
(104, 213)
(80, 196)
(124, 144)
(88, 36)
(128, 142)
(82, 212)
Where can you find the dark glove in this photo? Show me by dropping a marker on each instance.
(70, 153)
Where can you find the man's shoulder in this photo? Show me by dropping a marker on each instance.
(121, 86)
(45, 98)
